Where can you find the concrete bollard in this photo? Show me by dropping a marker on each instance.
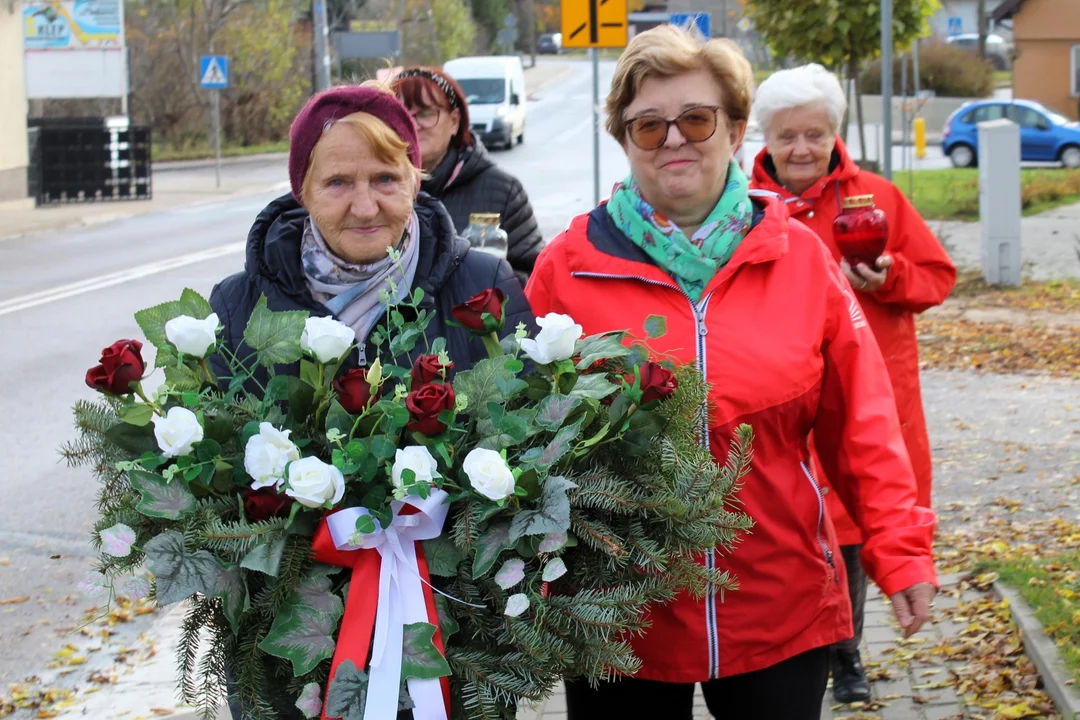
(999, 201)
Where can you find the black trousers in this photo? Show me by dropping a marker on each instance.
(856, 579)
(790, 690)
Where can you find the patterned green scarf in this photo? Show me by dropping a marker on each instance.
(691, 261)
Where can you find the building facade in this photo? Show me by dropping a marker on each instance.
(1047, 65)
(13, 105)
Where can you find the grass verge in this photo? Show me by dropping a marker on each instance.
(953, 193)
(1051, 587)
(205, 152)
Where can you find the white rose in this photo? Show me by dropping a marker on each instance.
(177, 432)
(312, 482)
(555, 341)
(489, 474)
(327, 339)
(267, 454)
(193, 337)
(415, 458)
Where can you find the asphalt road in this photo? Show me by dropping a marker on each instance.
(66, 294)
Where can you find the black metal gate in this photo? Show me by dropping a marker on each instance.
(75, 160)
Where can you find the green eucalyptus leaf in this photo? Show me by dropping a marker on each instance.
(655, 326)
(138, 414)
(133, 438)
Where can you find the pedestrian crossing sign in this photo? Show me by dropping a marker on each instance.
(214, 72)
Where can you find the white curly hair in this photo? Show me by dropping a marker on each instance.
(799, 87)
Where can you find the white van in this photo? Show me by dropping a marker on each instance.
(495, 91)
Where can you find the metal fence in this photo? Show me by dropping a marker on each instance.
(78, 160)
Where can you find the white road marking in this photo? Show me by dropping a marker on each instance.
(101, 282)
(574, 131)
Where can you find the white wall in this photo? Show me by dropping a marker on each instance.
(13, 105)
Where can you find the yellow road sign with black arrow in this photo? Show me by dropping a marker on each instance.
(594, 23)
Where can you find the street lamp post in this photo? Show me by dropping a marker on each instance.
(886, 86)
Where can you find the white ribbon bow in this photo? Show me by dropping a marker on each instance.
(401, 599)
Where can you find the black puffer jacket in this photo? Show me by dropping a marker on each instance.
(448, 273)
(483, 187)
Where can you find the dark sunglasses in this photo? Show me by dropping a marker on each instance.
(649, 132)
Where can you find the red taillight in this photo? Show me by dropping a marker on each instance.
(945, 132)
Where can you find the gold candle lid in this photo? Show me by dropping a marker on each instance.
(858, 201)
(484, 218)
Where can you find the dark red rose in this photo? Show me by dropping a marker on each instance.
(471, 312)
(425, 404)
(266, 503)
(354, 391)
(121, 365)
(428, 369)
(657, 382)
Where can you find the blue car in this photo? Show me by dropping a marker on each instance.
(1045, 136)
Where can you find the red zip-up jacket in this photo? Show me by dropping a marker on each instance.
(921, 276)
(781, 339)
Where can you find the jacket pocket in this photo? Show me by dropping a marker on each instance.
(826, 551)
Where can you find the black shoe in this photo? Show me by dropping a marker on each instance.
(850, 683)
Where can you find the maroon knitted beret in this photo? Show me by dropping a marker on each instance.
(334, 104)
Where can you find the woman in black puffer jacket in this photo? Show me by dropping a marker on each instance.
(460, 172)
(354, 168)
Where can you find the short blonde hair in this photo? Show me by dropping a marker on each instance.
(386, 145)
(668, 51)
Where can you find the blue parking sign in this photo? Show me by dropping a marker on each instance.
(699, 19)
(214, 72)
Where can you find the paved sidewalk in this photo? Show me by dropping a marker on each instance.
(1050, 243)
(881, 645)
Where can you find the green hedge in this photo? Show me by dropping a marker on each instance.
(947, 70)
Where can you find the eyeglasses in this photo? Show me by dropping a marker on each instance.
(649, 132)
(427, 118)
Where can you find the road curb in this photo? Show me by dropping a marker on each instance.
(1042, 651)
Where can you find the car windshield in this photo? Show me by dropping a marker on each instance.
(484, 91)
(1056, 118)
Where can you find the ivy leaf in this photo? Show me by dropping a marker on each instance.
(275, 336)
(265, 558)
(489, 546)
(554, 410)
(447, 624)
(442, 555)
(348, 693)
(233, 593)
(179, 574)
(553, 515)
(600, 347)
(479, 384)
(420, 658)
(559, 445)
(181, 379)
(596, 387)
(302, 632)
(160, 498)
(655, 326)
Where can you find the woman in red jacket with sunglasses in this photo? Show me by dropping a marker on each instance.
(758, 304)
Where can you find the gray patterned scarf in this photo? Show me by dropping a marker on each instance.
(351, 292)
